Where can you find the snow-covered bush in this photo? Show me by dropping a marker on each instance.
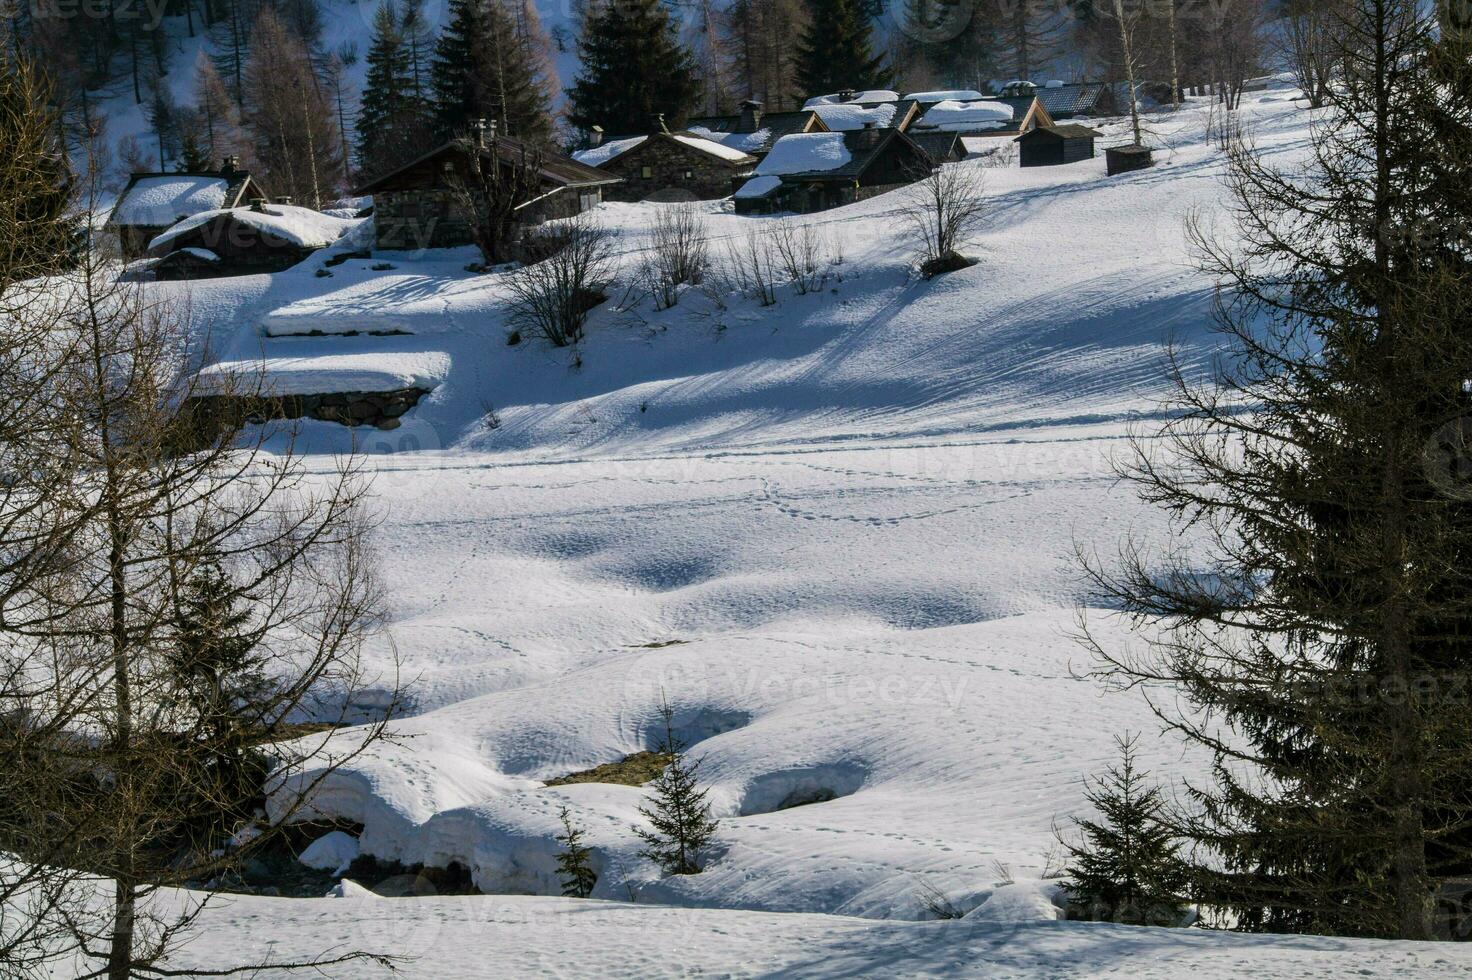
(750, 267)
(551, 298)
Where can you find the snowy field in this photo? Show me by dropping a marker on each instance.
(838, 534)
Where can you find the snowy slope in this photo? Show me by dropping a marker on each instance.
(837, 534)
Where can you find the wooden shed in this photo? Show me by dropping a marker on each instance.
(1053, 146)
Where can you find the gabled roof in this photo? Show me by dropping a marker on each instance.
(158, 200)
(609, 152)
(555, 168)
(862, 148)
(771, 127)
(1068, 131)
(1079, 99)
(940, 146)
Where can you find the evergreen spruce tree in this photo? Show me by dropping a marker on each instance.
(836, 51)
(1326, 613)
(680, 816)
(634, 69)
(573, 862)
(1126, 868)
(482, 70)
(219, 679)
(192, 155)
(389, 123)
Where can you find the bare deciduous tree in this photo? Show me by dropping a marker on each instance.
(499, 179)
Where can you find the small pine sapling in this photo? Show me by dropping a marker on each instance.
(573, 862)
(680, 814)
(1126, 868)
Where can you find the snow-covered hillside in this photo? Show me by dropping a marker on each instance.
(837, 534)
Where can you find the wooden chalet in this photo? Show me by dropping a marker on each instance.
(155, 201)
(415, 206)
(942, 147)
(1052, 146)
(878, 161)
(976, 119)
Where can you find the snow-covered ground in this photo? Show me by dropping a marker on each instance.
(838, 534)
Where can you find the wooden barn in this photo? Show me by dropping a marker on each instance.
(415, 206)
(153, 202)
(667, 166)
(1053, 146)
(243, 241)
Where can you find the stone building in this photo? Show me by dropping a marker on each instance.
(754, 130)
(668, 166)
(154, 202)
(415, 206)
(243, 241)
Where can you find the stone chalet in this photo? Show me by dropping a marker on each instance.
(414, 206)
(154, 202)
(667, 166)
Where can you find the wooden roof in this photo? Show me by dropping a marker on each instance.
(240, 188)
(1067, 131)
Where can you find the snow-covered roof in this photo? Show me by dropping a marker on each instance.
(959, 116)
(745, 142)
(758, 187)
(952, 95)
(713, 147)
(803, 153)
(302, 227)
(851, 116)
(337, 372)
(599, 155)
(203, 254)
(163, 200)
(840, 98)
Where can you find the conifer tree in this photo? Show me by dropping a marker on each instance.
(836, 51)
(220, 680)
(481, 70)
(573, 862)
(388, 127)
(679, 813)
(1325, 615)
(1126, 868)
(634, 69)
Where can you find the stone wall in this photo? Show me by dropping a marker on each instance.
(408, 220)
(381, 409)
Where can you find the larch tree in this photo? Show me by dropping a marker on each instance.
(483, 70)
(634, 70)
(836, 51)
(296, 139)
(1314, 629)
(217, 113)
(761, 37)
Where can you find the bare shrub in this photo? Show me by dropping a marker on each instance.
(679, 255)
(551, 299)
(941, 211)
(800, 253)
(750, 267)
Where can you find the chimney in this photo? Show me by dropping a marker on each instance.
(870, 133)
(751, 116)
(662, 127)
(595, 137)
(847, 95)
(258, 204)
(284, 199)
(478, 132)
(229, 165)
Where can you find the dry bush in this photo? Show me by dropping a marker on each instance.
(802, 255)
(751, 267)
(679, 255)
(942, 211)
(551, 299)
